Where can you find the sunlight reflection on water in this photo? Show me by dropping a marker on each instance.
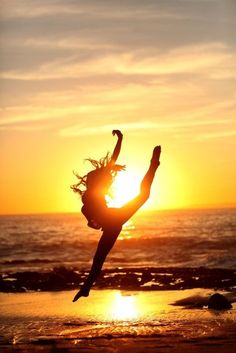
(124, 307)
(106, 314)
(127, 229)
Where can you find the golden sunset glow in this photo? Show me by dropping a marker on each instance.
(141, 67)
(125, 187)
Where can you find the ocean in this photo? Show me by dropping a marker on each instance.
(162, 262)
(185, 238)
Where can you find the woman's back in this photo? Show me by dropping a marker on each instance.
(94, 209)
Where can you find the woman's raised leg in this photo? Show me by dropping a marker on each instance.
(127, 211)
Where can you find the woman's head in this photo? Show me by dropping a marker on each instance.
(99, 180)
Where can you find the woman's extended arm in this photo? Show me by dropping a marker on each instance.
(117, 148)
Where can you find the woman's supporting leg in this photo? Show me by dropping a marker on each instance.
(105, 244)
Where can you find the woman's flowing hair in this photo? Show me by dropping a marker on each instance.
(101, 163)
(81, 186)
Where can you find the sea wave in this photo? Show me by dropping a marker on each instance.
(159, 251)
(189, 238)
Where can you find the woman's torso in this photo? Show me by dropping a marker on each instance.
(98, 214)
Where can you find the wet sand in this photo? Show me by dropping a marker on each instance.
(115, 321)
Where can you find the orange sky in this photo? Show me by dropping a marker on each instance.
(162, 72)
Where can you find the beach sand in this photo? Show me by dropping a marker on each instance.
(115, 321)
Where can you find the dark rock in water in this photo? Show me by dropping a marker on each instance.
(136, 278)
(218, 302)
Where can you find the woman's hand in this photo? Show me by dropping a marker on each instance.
(117, 148)
(118, 133)
(118, 167)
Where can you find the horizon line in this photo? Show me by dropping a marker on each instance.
(222, 207)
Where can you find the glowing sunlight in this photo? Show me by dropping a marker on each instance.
(125, 187)
(124, 307)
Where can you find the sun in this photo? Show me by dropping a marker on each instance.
(125, 187)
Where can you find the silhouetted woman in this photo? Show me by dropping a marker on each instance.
(99, 215)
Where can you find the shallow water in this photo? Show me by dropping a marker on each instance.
(36, 316)
(113, 321)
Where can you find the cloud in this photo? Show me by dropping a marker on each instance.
(192, 59)
(81, 130)
(35, 8)
(217, 135)
(78, 130)
(104, 9)
(75, 60)
(109, 25)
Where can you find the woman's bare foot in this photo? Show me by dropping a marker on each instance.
(156, 156)
(81, 293)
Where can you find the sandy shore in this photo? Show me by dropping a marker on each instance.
(114, 321)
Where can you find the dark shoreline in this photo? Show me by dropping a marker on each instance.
(141, 278)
